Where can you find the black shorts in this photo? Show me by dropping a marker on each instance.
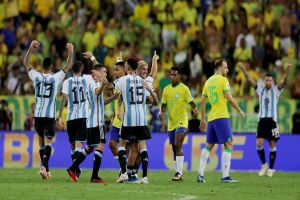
(136, 133)
(77, 130)
(96, 136)
(45, 127)
(267, 129)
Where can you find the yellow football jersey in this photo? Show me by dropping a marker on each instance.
(117, 122)
(177, 99)
(214, 90)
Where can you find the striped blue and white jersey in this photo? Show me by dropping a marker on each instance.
(46, 89)
(268, 99)
(96, 106)
(134, 98)
(76, 90)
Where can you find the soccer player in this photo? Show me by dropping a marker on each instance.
(134, 158)
(175, 98)
(95, 125)
(46, 88)
(134, 126)
(268, 95)
(75, 94)
(217, 91)
(119, 72)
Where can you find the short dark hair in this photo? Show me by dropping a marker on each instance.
(133, 63)
(77, 66)
(99, 66)
(269, 75)
(177, 69)
(218, 62)
(121, 63)
(47, 62)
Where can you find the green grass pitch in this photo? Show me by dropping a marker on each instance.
(23, 184)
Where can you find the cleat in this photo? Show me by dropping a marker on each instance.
(123, 178)
(98, 180)
(144, 180)
(270, 172)
(228, 179)
(263, 170)
(200, 179)
(133, 179)
(72, 175)
(177, 177)
(78, 172)
(43, 172)
(48, 175)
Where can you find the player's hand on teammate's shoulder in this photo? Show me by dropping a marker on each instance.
(202, 125)
(155, 56)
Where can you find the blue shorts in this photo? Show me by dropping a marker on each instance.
(114, 133)
(219, 131)
(174, 132)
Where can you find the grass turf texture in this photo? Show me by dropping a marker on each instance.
(27, 184)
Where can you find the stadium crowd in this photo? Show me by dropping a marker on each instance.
(185, 33)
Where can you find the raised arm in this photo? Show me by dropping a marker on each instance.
(233, 103)
(34, 45)
(285, 78)
(88, 55)
(69, 62)
(154, 65)
(248, 77)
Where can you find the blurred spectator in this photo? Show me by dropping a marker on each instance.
(29, 120)
(15, 81)
(295, 89)
(155, 120)
(6, 116)
(296, 121)
(285, 25)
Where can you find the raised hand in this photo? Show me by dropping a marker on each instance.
(34, 44)
(120, 57)
(88, 55)
(70, 47)
(155, 56)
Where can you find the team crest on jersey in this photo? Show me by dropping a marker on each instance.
(176, 95)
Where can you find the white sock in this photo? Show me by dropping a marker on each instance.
(175, 164)
(203, 160)
(179, 164)
(226, 158)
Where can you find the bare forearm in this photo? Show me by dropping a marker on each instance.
(27, 58)
(193, 105)
(62, 105)
(248, 77)
(202, 112)
(155, 98)
(234, 104)
(284, 81)
(109, 100)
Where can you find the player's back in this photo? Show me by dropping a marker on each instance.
(214, 89)
(46, 87)
(76, 89)
(134, 98)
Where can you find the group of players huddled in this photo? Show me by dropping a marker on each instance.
(133, 91)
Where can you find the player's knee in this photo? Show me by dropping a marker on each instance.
(112, 144)
(89, 149)
(144, 154)
(228, 145)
